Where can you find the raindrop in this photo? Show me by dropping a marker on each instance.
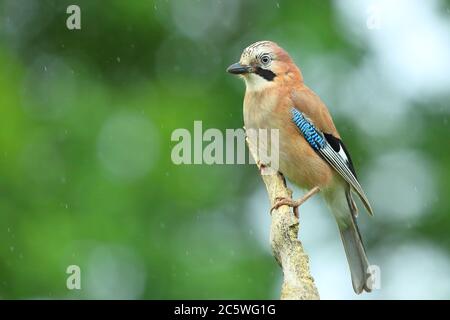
(48, 88)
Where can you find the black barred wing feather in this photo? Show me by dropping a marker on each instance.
(333, 151)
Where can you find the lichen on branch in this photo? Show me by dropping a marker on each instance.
(298, 284)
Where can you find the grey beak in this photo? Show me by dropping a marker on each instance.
(238, 68)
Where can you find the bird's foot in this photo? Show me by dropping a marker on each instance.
(294, 204)
(281, 201)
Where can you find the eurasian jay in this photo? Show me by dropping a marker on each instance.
(311, 152)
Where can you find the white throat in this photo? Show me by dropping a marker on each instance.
(255, 82)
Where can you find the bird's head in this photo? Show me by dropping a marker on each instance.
(264, 64)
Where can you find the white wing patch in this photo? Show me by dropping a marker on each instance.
(342, 153)
(339, 161)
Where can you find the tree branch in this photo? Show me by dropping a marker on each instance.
(298, 284)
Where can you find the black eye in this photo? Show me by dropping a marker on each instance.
(265, 59)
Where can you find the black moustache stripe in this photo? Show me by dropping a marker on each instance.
(266, 74)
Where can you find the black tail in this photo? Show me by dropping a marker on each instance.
(356, 257)
(345, 214)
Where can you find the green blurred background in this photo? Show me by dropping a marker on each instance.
(86, 118)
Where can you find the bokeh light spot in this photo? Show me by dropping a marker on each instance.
(128, 146)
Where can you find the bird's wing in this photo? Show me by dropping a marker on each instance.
(331, 149)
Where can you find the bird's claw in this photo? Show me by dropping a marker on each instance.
(282, 201)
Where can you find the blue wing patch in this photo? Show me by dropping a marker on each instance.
(333, 156)
(311, 134)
